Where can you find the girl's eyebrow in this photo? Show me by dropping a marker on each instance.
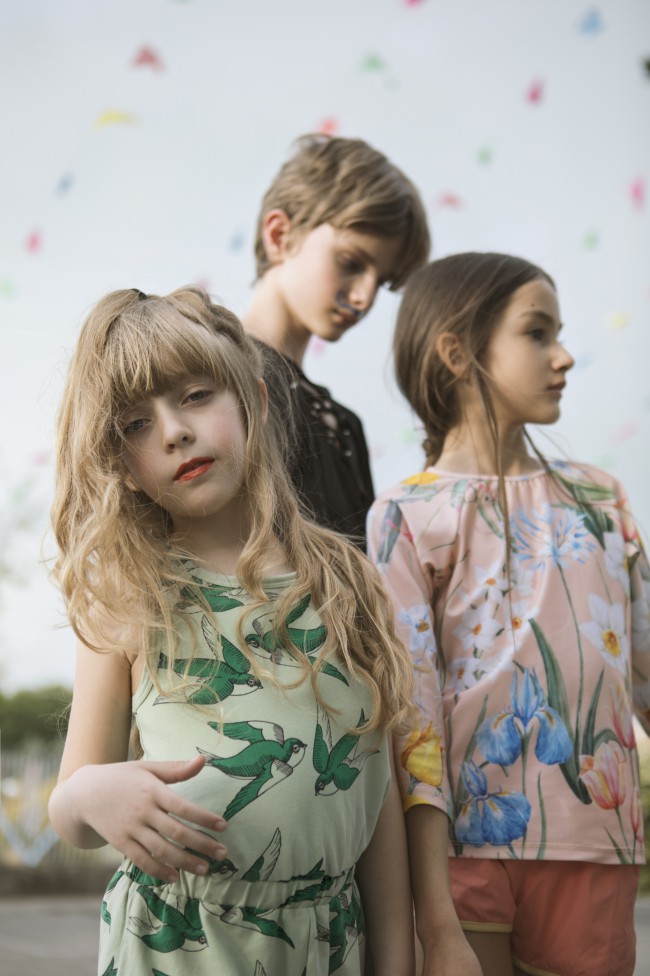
(537, 313)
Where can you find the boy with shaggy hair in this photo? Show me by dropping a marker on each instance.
(338, 221)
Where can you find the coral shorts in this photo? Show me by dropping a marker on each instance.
(564, 918)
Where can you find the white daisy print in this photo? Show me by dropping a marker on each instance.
(478, 628)
(606, 631)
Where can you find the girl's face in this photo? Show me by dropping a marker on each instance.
(525, 359)
(186, 450)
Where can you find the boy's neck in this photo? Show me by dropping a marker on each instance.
(466, 453)
(269, 319)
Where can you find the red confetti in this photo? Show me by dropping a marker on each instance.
(34, 242)
(147, 56)
(450, 200)
(329, 126)
(535, 93)
(637, 193)
(412, 3)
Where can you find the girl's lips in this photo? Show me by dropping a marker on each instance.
(193, 469)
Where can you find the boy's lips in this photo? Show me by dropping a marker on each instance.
(193, 468)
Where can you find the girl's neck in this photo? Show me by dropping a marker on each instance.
(269, 319)
(466, 453)
(219, 551)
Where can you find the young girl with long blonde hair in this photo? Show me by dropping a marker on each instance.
(522, 590)
(255, 651)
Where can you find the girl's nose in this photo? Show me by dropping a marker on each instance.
(564, 359)
(363, 292)
(175, 431)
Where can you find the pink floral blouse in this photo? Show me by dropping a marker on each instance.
(525, 674)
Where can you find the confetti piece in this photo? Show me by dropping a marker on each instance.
(646, 66)
(329, 126)
(637, 193)
(34, 242)
(626, 432)
(41, 458)
(607, 461)
(372, 62)
(484, 155)
(592, 22)
(618, 321)
(64, 183)
(114, 117)
(377, 451)
(147, 57)
(408, 436)
(203, 284)
(317, 347)
(584, 361)
(7, 288)
(449, 200)
(535, 93)
(590, 240)
(413, 3)
(236, 241)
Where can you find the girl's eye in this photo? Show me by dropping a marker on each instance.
(133, 427)
(197, 395)
(351, 265)
(537, 334)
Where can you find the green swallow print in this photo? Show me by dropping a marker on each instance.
(337, 765)
(266, 645)
(179, 930)
(267, 761)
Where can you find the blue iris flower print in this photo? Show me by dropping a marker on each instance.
(489, 818)
(501, 738)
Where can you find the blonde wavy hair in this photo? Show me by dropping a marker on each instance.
(116, 560)
(352, 186)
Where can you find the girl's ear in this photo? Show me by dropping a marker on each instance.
(264, 395)
(276, 230)
(451, 351)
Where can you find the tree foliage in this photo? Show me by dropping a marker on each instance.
(38, 715)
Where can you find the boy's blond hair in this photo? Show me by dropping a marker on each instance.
(350, 185)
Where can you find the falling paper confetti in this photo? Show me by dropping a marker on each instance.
(34, 242)
(146, 57)
(408, 436)
(484, 155)
(637, 193)
(590, 240)
(114, 117)
(236, 241)
(592, 22)
(317, 347)
(64, 183)
(449, 200)
(535, 93)
(413, 3)
(618, 321)
(328, 126)
(625, 433)
(7, 288)
(583, 361)
(372, 62)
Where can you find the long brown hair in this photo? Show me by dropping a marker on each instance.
(116, 561)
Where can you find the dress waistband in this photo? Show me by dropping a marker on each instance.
(298, 892)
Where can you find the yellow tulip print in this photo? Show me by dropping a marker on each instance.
(422, 756)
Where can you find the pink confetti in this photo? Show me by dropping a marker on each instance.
(637, 193)
(329, 126)
(413, 3)
(450, 200)
(626, 432)
(317, 347)
(41, 458)
(535, 93)
(34, 242)
(203, 284)
(147, 57)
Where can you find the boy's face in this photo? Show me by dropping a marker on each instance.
(327, 279)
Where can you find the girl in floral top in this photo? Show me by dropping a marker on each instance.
(522, 590)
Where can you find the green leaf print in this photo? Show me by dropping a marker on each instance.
(110, 969)
(590, 721)
(391, 526)
(267, 761)
(558, 699)
(540, 796)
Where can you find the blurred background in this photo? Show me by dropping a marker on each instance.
(139, 137)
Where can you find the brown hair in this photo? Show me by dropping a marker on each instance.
(350, 185)
(116, 562)
(464, 295)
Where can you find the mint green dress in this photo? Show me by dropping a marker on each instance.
(300, 791)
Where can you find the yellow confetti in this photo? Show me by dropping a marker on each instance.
(618, 321)
(115, 117)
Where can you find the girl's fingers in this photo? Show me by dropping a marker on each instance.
(181, 809)
(188, 837)
(142, 859)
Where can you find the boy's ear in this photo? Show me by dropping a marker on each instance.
(276, 231)
(451, 351)
(264, 395)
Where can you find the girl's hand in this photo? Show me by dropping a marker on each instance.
(130, 805)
